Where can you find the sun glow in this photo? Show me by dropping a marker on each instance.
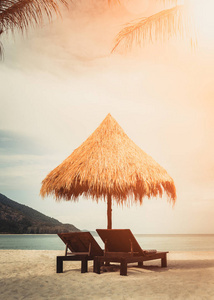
(203, 18)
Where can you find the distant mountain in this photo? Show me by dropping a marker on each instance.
(18, 218)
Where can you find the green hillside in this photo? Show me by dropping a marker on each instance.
(21, 219)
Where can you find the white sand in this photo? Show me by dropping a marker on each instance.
(29, 274)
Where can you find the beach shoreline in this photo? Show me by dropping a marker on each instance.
(31, 274)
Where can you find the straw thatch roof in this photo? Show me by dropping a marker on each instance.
(109, 163)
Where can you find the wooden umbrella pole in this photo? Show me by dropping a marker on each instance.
(109, 212)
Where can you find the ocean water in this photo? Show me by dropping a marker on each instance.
(160, 242)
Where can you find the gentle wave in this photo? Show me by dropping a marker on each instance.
(194, 242)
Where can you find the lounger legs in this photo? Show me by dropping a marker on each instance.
(84, 265)
(96, 265)
(59, 265)
(60, 259)
(98, 261)
(163, 262)
(123, 267)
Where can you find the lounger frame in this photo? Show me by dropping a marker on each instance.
(83, 247)
(125, 259)
(83, 258)
(122, 247)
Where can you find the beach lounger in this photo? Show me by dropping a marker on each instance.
(122, 247)
(83, 248)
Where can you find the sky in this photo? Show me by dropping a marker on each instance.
(60, 81)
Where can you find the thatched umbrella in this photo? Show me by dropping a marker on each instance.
(109, 165)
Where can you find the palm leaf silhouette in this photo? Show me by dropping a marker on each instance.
(160, 26)
(20, 14)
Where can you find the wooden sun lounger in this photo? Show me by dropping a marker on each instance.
(83, 248)
(122, 247)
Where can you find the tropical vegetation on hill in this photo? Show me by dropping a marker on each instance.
(18, 218)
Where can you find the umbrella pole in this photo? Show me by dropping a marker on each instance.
(109, 212)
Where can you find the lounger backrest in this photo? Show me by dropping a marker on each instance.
(80, 241)
(118, 240)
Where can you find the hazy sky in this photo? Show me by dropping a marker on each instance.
(60, 82)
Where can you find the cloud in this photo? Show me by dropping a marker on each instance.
(13, 143)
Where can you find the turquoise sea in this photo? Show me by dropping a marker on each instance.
(161, 242)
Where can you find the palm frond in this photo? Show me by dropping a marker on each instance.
(160, 26)
(20, 14)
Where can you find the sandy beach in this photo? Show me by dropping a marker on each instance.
(31, 274)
